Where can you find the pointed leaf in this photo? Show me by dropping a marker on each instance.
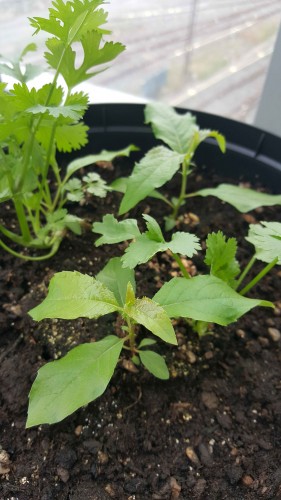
(116, 279)
(141, 251)
(153, 229)
(146, 343)
(174, 129)
(104, 155)
(242, 199)
(155, 364)
(204, 298)
(220, 257)
(156, 168)
(149, 314)
(266, 238)
(121, 185)
(74, 295)
(63, 386)
(113, 231)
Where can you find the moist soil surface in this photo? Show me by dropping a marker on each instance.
(212, 431)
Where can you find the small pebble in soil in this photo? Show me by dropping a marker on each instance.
(63, 474)
(274, 334)
(247, 480)
(234, 473)
(192, 456)
(210, 400)
(66, 458)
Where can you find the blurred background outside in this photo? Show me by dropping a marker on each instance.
(211, 55)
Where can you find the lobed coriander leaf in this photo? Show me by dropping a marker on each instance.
(63, 386)
(156, 168)
(74, 295)
(266, 238)
(70, 137)
(220, 257)
(155, 364)
(242, 199)
(184, 243)
(95, 185)
(141, 251)
(115, 232)
(174, 129)
(153, 317)
(116, 279)
(204, 298)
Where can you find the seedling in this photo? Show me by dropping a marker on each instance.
(182, 136)
(36, 123)
(83, 374)
(210, 298)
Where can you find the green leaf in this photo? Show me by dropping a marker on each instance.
(73, 112)
(266, 238)
(156, 168)
(113, 231)
(116, 279)
(70, 137)
(63, 386)
(173, 128)
(146, 343)
(149, 314)
(104, 155)
(95, 185)
(204, 298)
(120, 185)
(141, 251)
(242, 199)
(153, 229)
(155, 364)
(184, 243)
(74, 295)
(220, 257)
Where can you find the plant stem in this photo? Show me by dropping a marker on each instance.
(54, 249)
(132, 335)
(181, 266)
(245, 272)
(254, 281)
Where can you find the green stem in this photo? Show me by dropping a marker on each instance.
(22, 220)
(254, 281)
(54, 249)
(245, 272)
(131, 335)
(12, 236)
(181, 266)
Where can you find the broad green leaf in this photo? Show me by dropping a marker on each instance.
(242, 199)
(113, 231)
(146, 343)
(153, 229)
(173, 128)
(104, 155)
(220, 257)
(121, 185)
(149, 314)
(204, 298)
(156, 168)
(116, 279)
(266, 238)
(63, 386)
(74, 295)
(155, 364)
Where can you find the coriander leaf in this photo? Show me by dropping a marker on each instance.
(155, 364)
(220, 257)
(153, 317)
(173, 128)
(266, 238)
(63, 386)
(156, 168)
(116, 279)
(242, 199)
(184, 243)
(204, 298)
(104, 155)
(70, 137)
(74, 112)
(74, 295)
(141, 250)
(74, 190)
(95, 185)
(113, 231)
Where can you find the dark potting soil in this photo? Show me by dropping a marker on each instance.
(211, 432)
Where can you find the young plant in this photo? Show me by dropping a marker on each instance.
(36, 123)
(182, 136)
(63, 386)
(210, 298)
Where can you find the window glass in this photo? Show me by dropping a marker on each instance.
(211, 55)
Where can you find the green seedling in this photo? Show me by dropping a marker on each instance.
(182, 136)
(63, 386)
(35, 124)
(210, 298)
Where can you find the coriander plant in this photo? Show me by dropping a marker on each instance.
(182, 136)
(35, 124)
(83, 374)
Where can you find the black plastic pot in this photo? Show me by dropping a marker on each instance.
(251, 153)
